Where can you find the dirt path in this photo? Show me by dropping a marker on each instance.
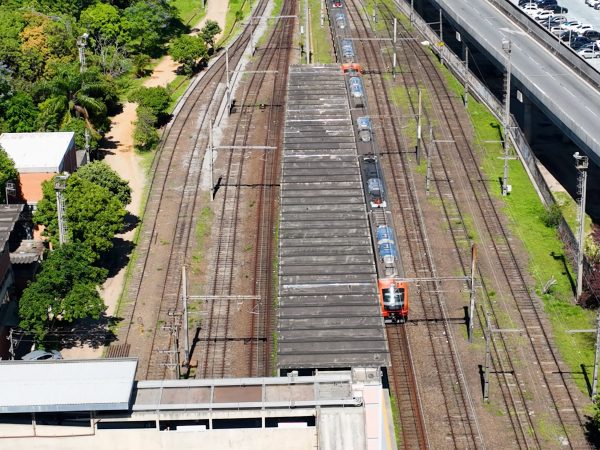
(128, 164)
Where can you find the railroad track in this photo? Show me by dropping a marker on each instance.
(150, 314)
(456, 418)
(252, 320)
(458, 183)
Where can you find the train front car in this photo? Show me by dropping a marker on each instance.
(393, 296)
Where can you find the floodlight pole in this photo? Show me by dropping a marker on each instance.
(60, 184)
(581, 164)
(466, 95)
(81, 44)
(507, 47)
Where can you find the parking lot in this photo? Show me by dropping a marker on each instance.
(578, 10)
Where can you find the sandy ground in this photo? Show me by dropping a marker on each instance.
(123, 159)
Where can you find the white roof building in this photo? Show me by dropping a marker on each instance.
(38, 152)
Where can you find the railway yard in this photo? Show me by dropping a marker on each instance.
(257, 189)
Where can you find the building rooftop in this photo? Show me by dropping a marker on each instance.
(59, 385)
(38, 152)
(28, 252)
(9, 214)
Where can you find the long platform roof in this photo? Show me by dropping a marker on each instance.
(329, 311)
(61, 385)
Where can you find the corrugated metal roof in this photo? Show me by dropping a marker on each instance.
(38, 152)
(66, 385)
(9, 214)
(329, 313)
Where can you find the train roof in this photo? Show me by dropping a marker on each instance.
(329, 313)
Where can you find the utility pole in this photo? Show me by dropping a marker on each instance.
(227, 79)
(507, 47)
(581, 164)
(306, 33)
(419, 128)
(81, 44)
(596, 356)
(210, 158)
(60, 184)
(489, 335)
(186, 340)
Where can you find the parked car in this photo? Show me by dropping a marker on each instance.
(530, 8)
(583, 27)
(41, 355)
(593, 3)
(544, 3)
(570, 24)
(557, 9)
(568, 35)
(579, 42)
(543, 15)
(591, 34)
(588, 53)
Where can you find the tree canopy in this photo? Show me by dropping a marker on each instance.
(102, 174)
(93, 214)
(64, 290)
(209, 31)
(188, 51)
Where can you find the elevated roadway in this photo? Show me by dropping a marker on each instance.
(569, 100)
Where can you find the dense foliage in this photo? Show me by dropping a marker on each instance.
(42, 84)
(65, 290)
(94, 213)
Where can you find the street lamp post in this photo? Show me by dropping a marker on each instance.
(506, 47)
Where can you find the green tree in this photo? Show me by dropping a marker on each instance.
(102, 20)
(93, 215)
(188, 51)
(149, 25)
(21, 114)
(51, 114)
(65, 290)
(156, 99)
(145, 136)
(209, 31)
(100, 173)
(141, 62)
(8, 172)
(78, 126)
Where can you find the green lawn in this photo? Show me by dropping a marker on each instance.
(238, 11)
(321, 45)
(190, 11)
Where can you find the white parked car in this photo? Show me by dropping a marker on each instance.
(570, 25)
(531, 8)
(582, 27)
(543, 15)
(588, 53)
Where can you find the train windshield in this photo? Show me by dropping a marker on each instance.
(393, 298)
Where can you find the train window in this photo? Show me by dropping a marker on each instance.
(393, 298)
